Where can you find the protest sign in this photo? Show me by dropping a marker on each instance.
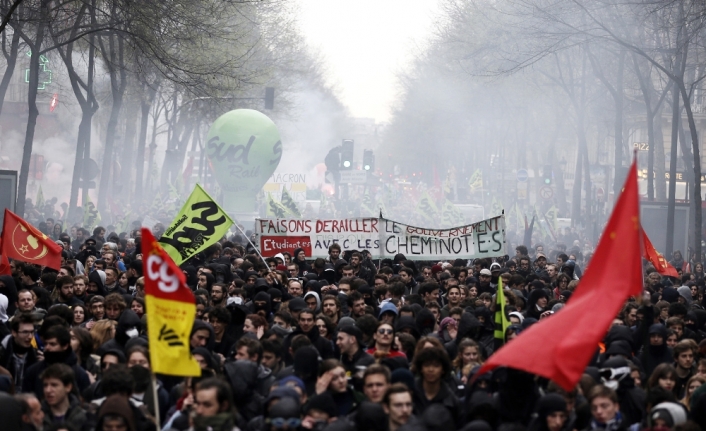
(482, 239)
(383, 238)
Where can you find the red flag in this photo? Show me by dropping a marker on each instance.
(4, 262)
(561, 346)
(656, 259)
(170, 310)
(22, 241)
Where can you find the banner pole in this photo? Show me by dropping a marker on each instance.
(156, 402)
(253, 245)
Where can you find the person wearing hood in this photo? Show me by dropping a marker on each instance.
(299, 258)
(202, 335)
(57, 350)
(129, 326)
(262, 304)
(313, 301)
(206, 281)
(388, 313)
(96, 283)
(9, 289)
(486, 336)
(656, 351)
(468, 327)
(550, 414)
(537, 303)
(407, 324)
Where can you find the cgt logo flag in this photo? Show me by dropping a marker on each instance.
(22, 241)
(199, 224)
(170, 311)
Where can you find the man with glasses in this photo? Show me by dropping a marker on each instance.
(16, 351)
(292, 270)
(384, 339)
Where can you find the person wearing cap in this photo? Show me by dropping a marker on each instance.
(540, 262)
(495, 270)
(354, 359)
(484, 279)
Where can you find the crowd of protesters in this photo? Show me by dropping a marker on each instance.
(337, 343)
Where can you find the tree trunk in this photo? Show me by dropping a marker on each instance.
(576, 199)
(32, 108)
(118, 83)
(696, 192)
(618, 126)
(127, 156)
(11, 59)
(672, 172)
(661, 184)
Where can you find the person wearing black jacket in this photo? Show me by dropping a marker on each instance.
(308, 327)
(57, 349)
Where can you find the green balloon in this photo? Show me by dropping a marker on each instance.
(244, 148)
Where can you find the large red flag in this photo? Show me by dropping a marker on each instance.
(22, 241)
(656, 259)
(4, 262)
(561, 346)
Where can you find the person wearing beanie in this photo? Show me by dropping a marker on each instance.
(667, 415)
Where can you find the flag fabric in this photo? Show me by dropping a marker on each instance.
(496, 207)
(199, 224)
(274, 208)
(366, 206)
(39, 203)
(22, 241)
(476, 180)
(527, 240)
(91, 216)
(426, 208)
(451, 216)
(656, 259)
(501, 322)
(560, 347)
(4, 262)
(287, 202)
(170, 311)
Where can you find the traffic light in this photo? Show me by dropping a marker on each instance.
(368, 160)
(547, 175)
(347, 154)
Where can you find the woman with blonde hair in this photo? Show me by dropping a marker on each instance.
(691, 386)
(102, 332)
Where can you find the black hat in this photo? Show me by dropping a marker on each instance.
(297, 304)
(323, 402)
(352, 330)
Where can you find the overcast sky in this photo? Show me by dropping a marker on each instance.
(364, 43)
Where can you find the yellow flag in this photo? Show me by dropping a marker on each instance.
(275, 209)
(91, 216)
(170, 312)
(287, 202)
(476, 180)
(39, 203)
(200, 223)
(427, 209)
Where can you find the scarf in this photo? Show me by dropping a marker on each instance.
(219, 422)
(611, 425)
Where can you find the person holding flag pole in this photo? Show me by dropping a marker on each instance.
(170, 314)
